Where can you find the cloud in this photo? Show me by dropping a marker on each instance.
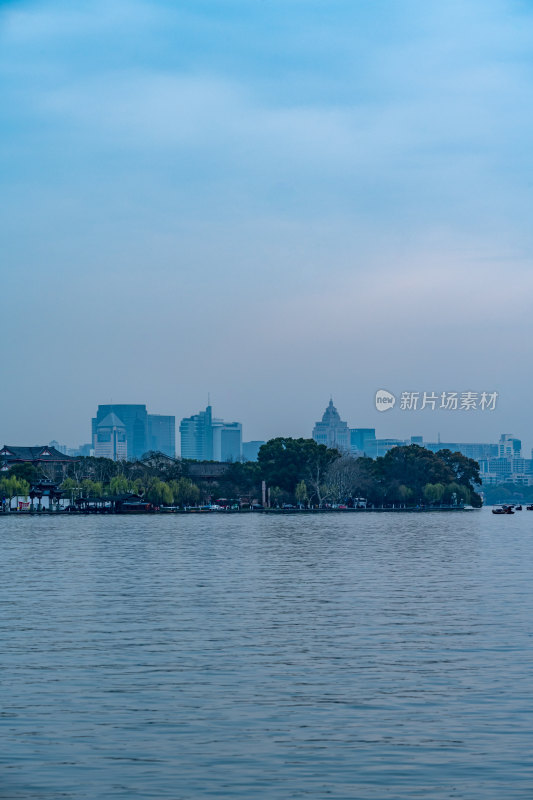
(302, 171)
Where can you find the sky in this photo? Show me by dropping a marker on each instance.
(271, 201)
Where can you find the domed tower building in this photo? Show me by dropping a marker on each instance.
(332, 430)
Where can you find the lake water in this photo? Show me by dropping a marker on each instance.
(336, 656)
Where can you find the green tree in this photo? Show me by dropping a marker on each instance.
(71, 487)
(465, 470)
(456, 493)
(159, 493)
(466, 473)
(278, 496)
(301, 493)
(412, 466)
(137, 486)
(284, 462)
(26, 472)
(12, 486)
(433, 493)
(92, 488)
(241, 479)
(119, 485)
(404, 493)
(185, 492)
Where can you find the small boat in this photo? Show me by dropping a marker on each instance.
(529, 508)
(503, 510)
(518, 508)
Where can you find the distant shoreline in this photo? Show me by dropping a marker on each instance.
(222, 512)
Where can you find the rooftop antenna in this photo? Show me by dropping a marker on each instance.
(209, 398)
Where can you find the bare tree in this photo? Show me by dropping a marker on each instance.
(344, 478)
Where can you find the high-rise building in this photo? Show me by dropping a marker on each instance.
(162, 434)
(361, 440)
(507, 464)
(331, 430)
(206, 438)
(227, 440)
(144, 431)
(509, 447)
(110, 439)
(197, 436)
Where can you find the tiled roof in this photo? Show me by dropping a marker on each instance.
(210, 469)
(37, 453)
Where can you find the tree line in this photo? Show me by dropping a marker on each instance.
(303, 471)
(296, 471)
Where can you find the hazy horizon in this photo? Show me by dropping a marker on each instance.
(274, 202)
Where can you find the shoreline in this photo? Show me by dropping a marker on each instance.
(206, 511)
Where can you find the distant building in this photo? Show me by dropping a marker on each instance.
(110, 440)
(196, 434)
(507, 466)
(82, 450)
(162, 434)
(250, 450)
(361, 440)
(53, 463)
(475, 450)
(332, 430)
(207, 438)
(61, 448)
(227, 440)
(509, 447)
(499, 468)
(143, 430)
(375, 448)
(135, 420)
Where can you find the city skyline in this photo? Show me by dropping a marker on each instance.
(352, 436)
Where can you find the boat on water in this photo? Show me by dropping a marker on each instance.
(518, 508)
(529, 508)
(503, 510)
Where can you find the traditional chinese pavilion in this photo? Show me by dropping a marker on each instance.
(53, 463)
(47, 489)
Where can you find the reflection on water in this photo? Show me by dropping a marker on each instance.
(340, 656)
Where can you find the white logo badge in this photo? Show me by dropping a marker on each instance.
(384, 400)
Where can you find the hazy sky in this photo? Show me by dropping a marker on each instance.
(269, 200)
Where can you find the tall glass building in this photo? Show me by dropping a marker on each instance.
(162, 434)
(206, 438)
(144, 431)
(197, 436)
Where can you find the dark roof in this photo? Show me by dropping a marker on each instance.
(109, 498)
(37, 453)
(207, 469)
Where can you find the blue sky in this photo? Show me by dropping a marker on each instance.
(271, 201)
